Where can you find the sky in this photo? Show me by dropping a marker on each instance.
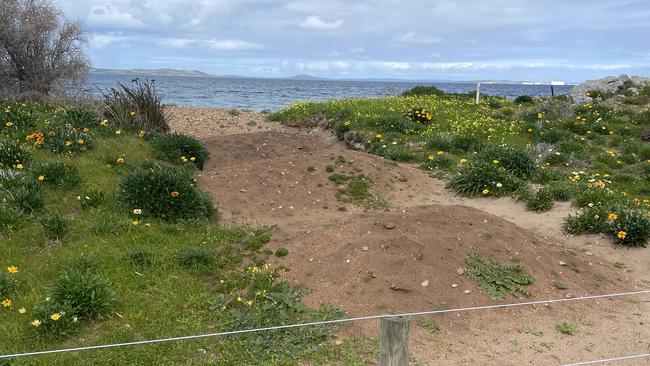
(540, 40)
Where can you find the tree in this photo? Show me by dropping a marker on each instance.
(40, 50)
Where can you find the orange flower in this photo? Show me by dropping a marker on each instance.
(175, 194)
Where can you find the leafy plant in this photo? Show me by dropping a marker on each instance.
(8, 284)
(539, 201)
(10, 218)
(566, 328)
(523, 99)
(631, 227)
(196, 258)
(57, 174)
(52, 320)
(67, 140)
(23, 195)
(180, 149)
(91, 198)
(495, 278)
(55, 226)
(484, 178)
(514, 160)
(423, 90)
(165, 191)
(13, 155)
(590, 221)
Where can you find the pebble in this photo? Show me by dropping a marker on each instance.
(468, 291)
(562, 263)
(364, 248)
(460, 271)
(561, 286)
(425, 283)
(338, 342)
(389, 225)
(454, 285)
(242, 190)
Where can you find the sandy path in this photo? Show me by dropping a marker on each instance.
(261, 175)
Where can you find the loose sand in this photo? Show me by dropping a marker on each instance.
(259, 175)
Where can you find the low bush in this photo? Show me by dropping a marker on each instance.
(25, 196)
(139, 258)
(482, 178)
(548, 175)
(80, 118)
(593, 197)
(52, 320)
(55, 226)
(180, 149)
(136, 108)
(540, 201)
(13, 155)
(435, 161)
(630, 228)
(423, 90)
(467, 144)
(557, 158)
(515, 160)
(91, 198)
(56, 174)
(165, 191)
(592, 220)
(562, 190)
(523, 99)
(67, 140)
(83, 290)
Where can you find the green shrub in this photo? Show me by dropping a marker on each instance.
(57, 174)
(55, 226)
(91, 198)
(81, 288)
(8, 284)
(281, 252)
(515, 160)
(548, 175)
(542, 200)
(419, 115)
(593, 197)
(571, 146)
(10, 218)
(139, 258)
(196, 258)
(550, 135)
(495, 278)
(136, 108)
(52, 320)
(67, 140)
(484, 178)
(164, 191)
(438, 162)
(467, 143)
(423, 90)
(562, 190)
(523, 99)
(438, 143)
(13, 155)
(329, 168)
(556, 159)
(26, 197)
(180, 149)
(630, 228)
(566, 328)
(80, 118)
(592, 220)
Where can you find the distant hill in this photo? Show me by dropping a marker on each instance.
(305, 77)
(149, 72)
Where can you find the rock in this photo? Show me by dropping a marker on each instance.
(561, 286)
(338, 342)
(468, 292)
(460, 271)
(364, 248)
(562, 263)
(425, 283)
(609, 84)
(454, 285)
(589, 253)
(389, 225)
(242, 190)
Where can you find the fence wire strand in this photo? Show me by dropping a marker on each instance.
(327, 322)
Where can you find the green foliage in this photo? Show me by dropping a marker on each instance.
(10, 218)
(593, 197)
(164, 191)
(484, 178)
(55, 226)
(329, 168)
(566, 328)
(53, 320)
(82, 289)
(419, 115)
(562, 190)
(180, 149)
(8, 284)
(196, 258)
(139, 258)
(13, 155)
(540, 201)
(67, 140)
(136, 107)
(91, 198)
(548, 175)
(56, 174)
(592, 220)
(514, 160)
(80, 118)
(524, 99)
(495, 278)
(23, 194)
(281, 252)
(423, 90)
(634, 224)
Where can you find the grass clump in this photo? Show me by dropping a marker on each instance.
(139, 258)
(180, 149)
(57, 174)
(136, 108)
(8, 284)
(68, 141)
(281, 252)
(626, 226)
(164, 191)
(482, 178)
(23, 194)
(13, 155)
(10, 218)
(495, 278)
(55, 226)
(196, 258)
(92, 198)
(540, 201)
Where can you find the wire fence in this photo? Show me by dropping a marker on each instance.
(353, 319)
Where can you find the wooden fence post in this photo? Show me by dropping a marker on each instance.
(394, 348)
(478, 92)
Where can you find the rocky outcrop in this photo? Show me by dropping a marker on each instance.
(607, 85)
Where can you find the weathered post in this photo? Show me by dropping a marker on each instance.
(552, 91)
(478, 92)
(394, 339)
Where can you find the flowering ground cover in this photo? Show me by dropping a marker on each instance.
(595, 155)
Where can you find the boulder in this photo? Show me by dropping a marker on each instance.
(609, 84)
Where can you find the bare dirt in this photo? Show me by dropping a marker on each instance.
(406, 258)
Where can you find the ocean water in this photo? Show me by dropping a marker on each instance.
(273, 94)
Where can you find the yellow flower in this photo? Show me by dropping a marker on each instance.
(463, 161)
(68, 143)
(19, 166)
(193, 158)
(120, 160)
(80, 141)
(104, 122)
(378, 136)
(495, 161)
(132, 114)
(239, 298)
(530, 130)
(86, 129)
(141, 133)
(440, 152)
(9, 124)
(135, 222)
(6, 303)
(431, 157)
(249, 302)
(621, 235)
(41, 178)
(36, 323)
(347, 123)
(485, 192)
(540, 115)
(118, 132)
(12, 269)
(22, 311)
(174, 194)
(612, 216)
(55, 316)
